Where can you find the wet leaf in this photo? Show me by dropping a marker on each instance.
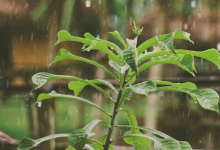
(167, 43)
(77, 139)
(116, 66)
(167, 144)
(76, 86)
(128, 56)
(143, 88)
(54, 94)
(26, 144)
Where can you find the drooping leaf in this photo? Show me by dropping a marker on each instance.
(117, 35)
(139, 143)
(77, 139)
(54, 94)
(116, 66)
(185, 145)
(76, 86)
(66, 55)
(143, 88)
(186, 62)
(167, 144)
(207, 98)
(42, 78)
(167, 43)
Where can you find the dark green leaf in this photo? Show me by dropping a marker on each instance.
(144, 88)
(66, 55)
(128, 56)
(26, 144)
(77, 139)
(54, 94)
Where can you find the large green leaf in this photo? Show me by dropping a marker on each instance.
(66, 55)
(154, 41)
(139, 143)
(211, 55)
(42, 78)
(54, 94)
(27, 143)
(117, 35)
(144, 88)
(207, 98)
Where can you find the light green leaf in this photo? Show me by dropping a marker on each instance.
(185, 145)
(76, 86)
(54, 94)
(27, 143)
(144, 88)
(116, 66)
(42, 78)
(154, 41)
(207, 98)
(102, 140)
(66, 55)
(139, 143)
(184, 85)
(167, 43)
(89, 36)
(70, 148)
(77, 139)
(117, 35)
(64, 36)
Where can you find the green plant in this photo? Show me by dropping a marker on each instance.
(127, 67)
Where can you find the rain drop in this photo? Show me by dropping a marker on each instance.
(88, 3)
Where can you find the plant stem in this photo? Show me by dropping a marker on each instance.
(115, 112)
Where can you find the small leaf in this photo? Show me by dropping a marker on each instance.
(116, 66)
(76, 86)
(77, 139)
(128, 56)
(54, 94)
(66, 55)
(117, 35)
(185, 145)
(26, 144)
(64, 36)
(144, 88)
(139, 143)
(182, 35)
(167, 43)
